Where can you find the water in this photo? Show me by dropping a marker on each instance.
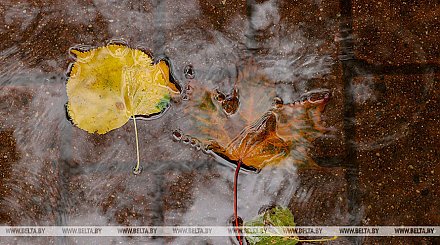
(54, 173)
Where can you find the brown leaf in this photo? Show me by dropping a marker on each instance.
(250, 124)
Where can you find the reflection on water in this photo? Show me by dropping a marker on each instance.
(32, 113)
(64, 176)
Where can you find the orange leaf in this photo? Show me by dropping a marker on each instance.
(250, 125)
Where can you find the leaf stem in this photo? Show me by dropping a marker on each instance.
(237, 170)
(136, 169)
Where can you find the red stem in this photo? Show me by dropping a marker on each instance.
(235, 202)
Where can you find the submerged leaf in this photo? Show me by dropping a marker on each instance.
(108, 85)
(250, 125)
(276, 216)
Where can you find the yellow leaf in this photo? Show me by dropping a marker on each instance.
(108, 85)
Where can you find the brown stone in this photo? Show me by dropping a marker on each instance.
(397, 136)
(320, 198)
(392, 32)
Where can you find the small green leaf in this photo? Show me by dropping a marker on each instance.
(276, 216)
(279, 217)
